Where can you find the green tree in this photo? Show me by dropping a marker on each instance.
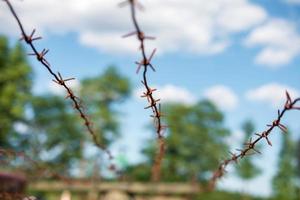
(284, 181)
(57, 135)
(226, 195)
(101, 95)
(298, 166)
(15, 90)
(139, 172)
(298, 158)
(246, 169)
(195, 143)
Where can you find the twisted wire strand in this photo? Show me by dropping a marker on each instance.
(145, 64)
(58, 79)
(249, 148)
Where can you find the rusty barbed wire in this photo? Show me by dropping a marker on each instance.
(250, 146)
(158, 159)
(154, 105)
(58, 79)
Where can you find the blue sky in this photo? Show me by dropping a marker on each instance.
(240, 54)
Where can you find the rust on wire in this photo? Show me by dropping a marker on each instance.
(154, 105)
(250, 146)
(58, 79)
(158, 159)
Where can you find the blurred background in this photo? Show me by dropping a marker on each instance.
(222, 69)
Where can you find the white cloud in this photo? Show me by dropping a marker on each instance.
(198, 26)
(240, 15)
(272, 93)
(112, 45)
(293, 1)
(59, 90)
(222, 96)
(171, 94)
(279, 40)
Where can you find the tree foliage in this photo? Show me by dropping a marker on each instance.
(298, 158)
(195, 143)
(246, 169)
(101, 93)
(56, 133)
(15, 89)
(59, 131)
(284, 181)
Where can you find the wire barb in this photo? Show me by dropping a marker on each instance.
(29, 39)
(57, 78)
(250, 146)
(145, 63)
(133, 2)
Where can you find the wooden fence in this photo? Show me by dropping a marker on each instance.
(114, 191)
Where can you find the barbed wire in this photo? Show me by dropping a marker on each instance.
(250, 146)
(58, 79)
(154, 104)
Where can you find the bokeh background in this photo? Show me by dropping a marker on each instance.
(222, 69)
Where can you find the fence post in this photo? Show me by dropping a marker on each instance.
(116, 195)
(66, 195)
